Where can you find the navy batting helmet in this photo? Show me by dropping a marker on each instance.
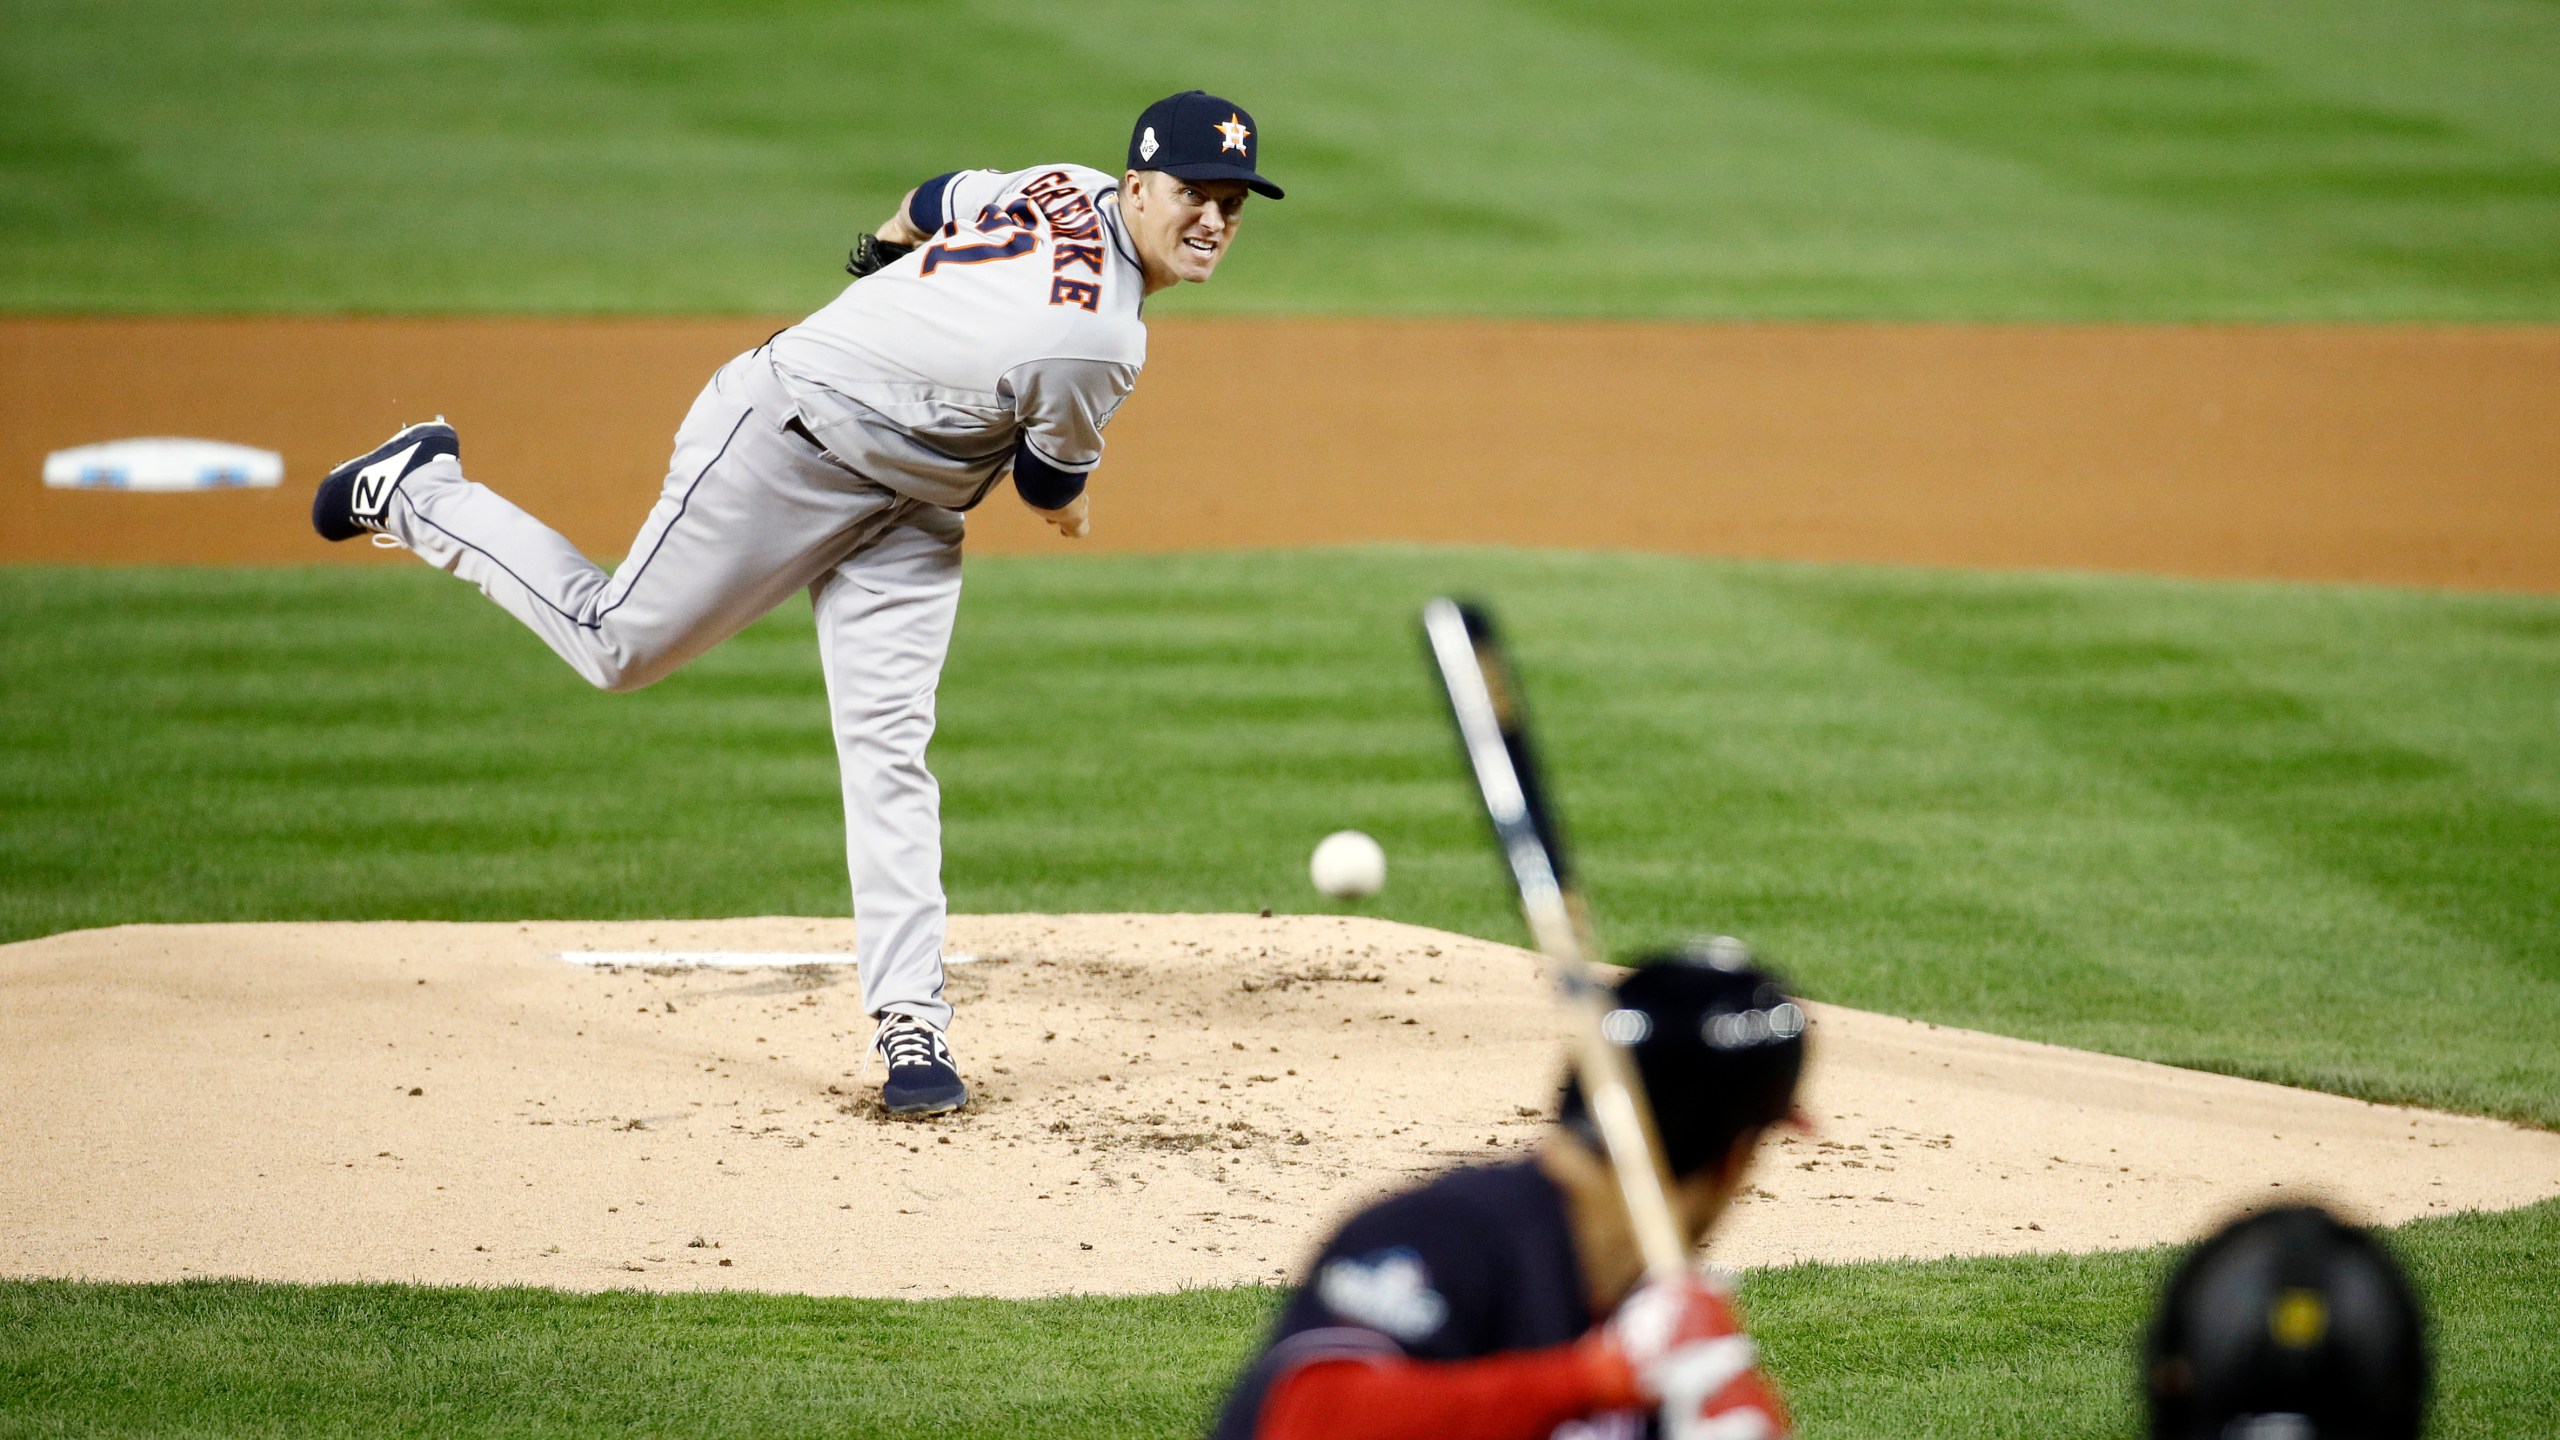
(1717, 1043)
(2287, 1325)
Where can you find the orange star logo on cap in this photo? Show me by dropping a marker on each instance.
(1233, 128)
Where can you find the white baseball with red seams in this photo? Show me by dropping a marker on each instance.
(1348, 865)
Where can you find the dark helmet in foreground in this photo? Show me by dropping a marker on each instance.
(1717, 1042)
(2287, 1325)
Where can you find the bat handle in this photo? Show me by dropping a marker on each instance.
(1609, 1093)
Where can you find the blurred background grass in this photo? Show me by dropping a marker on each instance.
(2027, 159)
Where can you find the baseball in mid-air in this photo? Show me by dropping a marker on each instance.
(1348, 866)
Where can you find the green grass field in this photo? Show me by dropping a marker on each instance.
(2031, 1348)
(2037, 159)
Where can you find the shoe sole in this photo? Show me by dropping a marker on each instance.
(918, 1110)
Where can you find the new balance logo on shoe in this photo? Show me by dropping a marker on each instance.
(357, 495)
(374, 482)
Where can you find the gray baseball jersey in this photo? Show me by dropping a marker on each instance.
(1008, 339)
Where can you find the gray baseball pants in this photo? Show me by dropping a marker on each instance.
(750, 513)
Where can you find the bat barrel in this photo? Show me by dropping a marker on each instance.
(1484, 701)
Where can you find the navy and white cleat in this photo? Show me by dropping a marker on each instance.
(922, 1080)
(357, 495)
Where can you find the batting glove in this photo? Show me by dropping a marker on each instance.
(1680, 1339)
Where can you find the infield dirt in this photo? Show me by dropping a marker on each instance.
(1161, 1101)
(2406, 455)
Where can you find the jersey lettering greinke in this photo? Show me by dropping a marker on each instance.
(1017, 324)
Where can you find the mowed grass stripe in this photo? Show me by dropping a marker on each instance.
(2030, 1347)
(2017, 159)
(232, 1358)
(2292, 832)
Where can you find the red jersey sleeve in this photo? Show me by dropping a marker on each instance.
(1518, 1395)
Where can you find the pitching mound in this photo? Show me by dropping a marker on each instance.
(1162, 1101)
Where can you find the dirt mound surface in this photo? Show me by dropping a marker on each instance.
(1161, 1101)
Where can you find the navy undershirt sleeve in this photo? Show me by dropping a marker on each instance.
(925, 211)
(1041, 485)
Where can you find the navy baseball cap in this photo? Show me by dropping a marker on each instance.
(1197, 136)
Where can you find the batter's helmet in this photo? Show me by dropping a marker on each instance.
(1717, 1044)
(2287, 1325)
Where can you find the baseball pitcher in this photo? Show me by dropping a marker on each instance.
(995, 324)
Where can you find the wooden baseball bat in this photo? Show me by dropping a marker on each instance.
(1485, 701)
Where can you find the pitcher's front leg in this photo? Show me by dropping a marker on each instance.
(884, 625)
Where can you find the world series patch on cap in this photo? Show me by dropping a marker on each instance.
(1197, 136)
